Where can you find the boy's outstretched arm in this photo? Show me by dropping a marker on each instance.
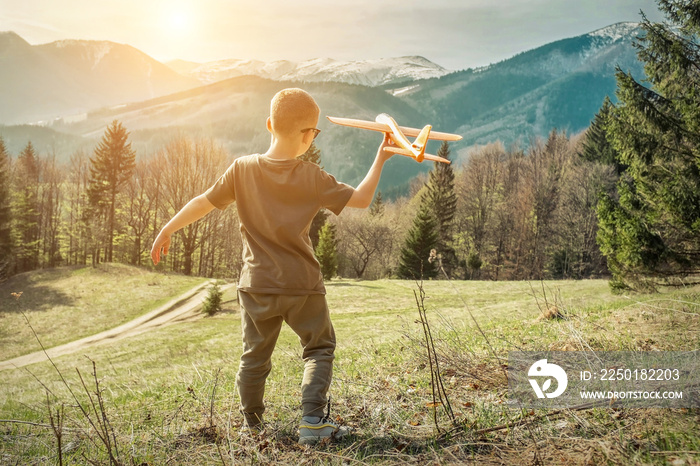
(364, 193)
(193, 211)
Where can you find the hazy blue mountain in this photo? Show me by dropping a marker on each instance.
(42, 82)
(559, 85)
(46, 141)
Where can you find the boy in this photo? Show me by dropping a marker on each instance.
(277, 198)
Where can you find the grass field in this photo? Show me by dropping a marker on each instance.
(169, 395)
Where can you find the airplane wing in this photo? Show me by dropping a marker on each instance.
(384, 128)
(408, 153)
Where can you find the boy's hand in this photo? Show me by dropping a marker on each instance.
(161, 242)
(385, 143)
(197, 208)
(362, 197)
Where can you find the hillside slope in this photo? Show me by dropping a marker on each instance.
(68, 303)
(42, 82)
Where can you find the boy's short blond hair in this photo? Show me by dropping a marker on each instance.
(292, 110)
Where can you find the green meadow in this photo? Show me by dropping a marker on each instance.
(168, 396)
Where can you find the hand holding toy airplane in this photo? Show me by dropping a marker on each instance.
(416, 150)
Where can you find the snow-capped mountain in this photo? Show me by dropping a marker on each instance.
(616, 31)
(365, 72)
(558, 85)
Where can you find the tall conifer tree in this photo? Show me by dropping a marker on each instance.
(442, 201)
(5, 213)
(313, 155)
(420, 240)
(651, 228)
(326, 251)
(25, 210)
(596, 146)
(110, 169)
(377, 207)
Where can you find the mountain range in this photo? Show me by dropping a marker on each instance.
(559, 85)
(366, 72)
(77, 87)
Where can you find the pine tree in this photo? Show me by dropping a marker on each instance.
(5, 213)
(377, 207)
(326, 251)
(651, 227)
(442, 201)
(25, 210)
(110, 169)
(313, 155)
(596, 147)
(420, 240)
(212, 303)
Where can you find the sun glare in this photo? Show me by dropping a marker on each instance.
(178, 20)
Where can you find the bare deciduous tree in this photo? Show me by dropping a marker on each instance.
(188, 168)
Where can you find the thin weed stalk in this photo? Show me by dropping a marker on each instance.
(212, 398)
(101, 424)
(439, 392)
(56, 420)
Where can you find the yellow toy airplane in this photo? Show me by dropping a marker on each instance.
(416, 150)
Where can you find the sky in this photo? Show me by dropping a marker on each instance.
(456, 34)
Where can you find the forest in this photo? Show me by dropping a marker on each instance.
(506, 214)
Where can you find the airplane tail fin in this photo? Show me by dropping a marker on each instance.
(422, 138)
(418, 145)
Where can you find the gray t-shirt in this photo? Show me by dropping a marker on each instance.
(277, 201)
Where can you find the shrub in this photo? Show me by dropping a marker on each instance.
(212, 304)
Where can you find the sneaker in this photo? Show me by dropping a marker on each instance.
(311, 433)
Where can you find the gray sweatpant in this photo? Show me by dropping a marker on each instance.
(261, 321)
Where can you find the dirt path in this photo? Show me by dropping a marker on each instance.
(182, 308)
